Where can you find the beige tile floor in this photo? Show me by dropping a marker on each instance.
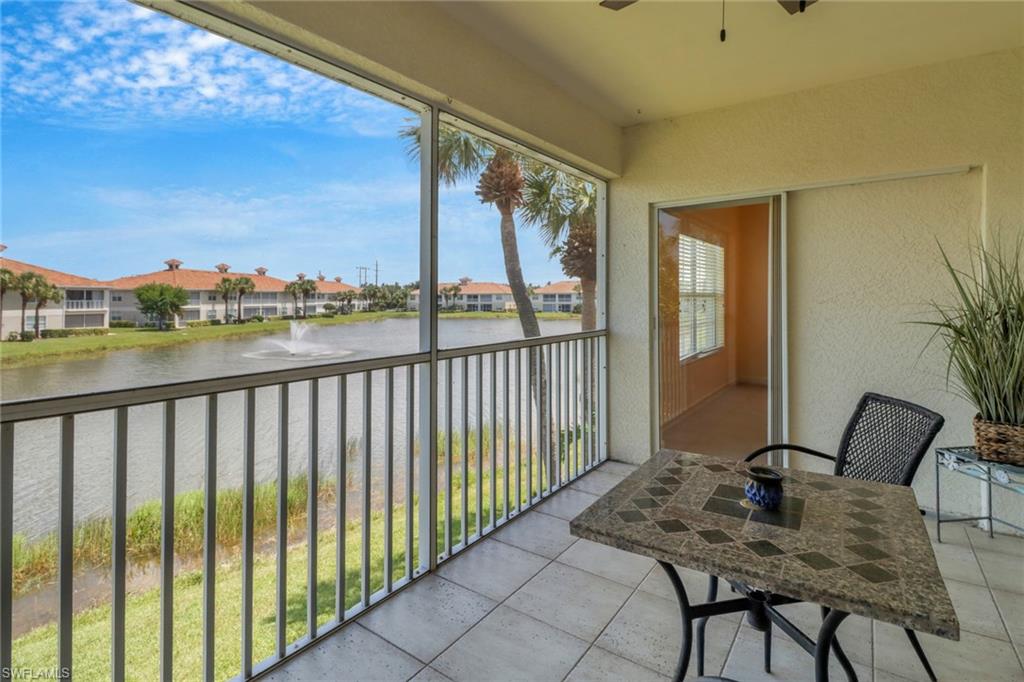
(533, 603)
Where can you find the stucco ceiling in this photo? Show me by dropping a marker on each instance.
(655, 60)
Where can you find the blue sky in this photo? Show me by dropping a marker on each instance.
(129, 138)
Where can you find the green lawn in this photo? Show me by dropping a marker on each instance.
(18, 354)
(91, 627)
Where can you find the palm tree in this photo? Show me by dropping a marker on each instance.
(346, 298)
(45, 293)
(293, 289)
(225, 287)
(449, 294)
(371, 294)
(243, 285)
(306, 288)
(500, 182)
(26, 285)
(7, 279)
(564, 209)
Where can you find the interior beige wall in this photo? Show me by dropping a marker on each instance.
(432, 55)
(743, 231)
(968, 111)
(752, 295)
(685, 384)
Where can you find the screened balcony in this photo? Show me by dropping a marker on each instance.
(719, 251)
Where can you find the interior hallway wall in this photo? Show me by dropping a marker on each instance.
(752, 293)
(687, 383)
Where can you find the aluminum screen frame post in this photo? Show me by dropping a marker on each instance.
(428, 332)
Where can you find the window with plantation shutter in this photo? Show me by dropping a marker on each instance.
(701, 296)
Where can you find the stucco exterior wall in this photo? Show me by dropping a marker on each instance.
(878, 244)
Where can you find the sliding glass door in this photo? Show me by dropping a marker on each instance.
(719, 360)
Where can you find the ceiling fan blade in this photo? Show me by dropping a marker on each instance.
(795, 6)
(616, 5)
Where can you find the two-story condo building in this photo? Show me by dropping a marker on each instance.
(553, 297)
(85, 301)
(557, 297)
(88, 302)
(204, 303)
(470, 296)
(268, 299)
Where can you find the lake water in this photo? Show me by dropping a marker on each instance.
(36, 443)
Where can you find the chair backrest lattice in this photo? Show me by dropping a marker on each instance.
(886, 439)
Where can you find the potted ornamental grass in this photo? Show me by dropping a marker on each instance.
(982, 332)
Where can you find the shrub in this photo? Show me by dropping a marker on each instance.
(14, 336)
(122, 324)
(64, 333)
(28, 336)
(256, 318)
(198, 323)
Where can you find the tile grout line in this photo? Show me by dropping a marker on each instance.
(533, 508)
(489, 612)
(992, 596)
(732, 647)
(497, 602)
(610, 621)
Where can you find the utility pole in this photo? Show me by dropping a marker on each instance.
(364, 273)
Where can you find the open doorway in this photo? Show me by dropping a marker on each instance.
(714, 340)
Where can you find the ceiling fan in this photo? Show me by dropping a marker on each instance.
(791, 6)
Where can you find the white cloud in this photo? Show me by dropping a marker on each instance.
(115, 65)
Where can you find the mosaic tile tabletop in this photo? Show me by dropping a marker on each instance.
(856, 546)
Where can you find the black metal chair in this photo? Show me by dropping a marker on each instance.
(885, 441)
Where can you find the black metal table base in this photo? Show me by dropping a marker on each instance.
(763, 613)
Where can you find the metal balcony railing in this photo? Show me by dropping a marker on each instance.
(85, 304)
(482, 434)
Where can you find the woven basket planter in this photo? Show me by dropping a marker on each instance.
(1003, 443)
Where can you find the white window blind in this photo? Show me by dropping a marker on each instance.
(701, 296)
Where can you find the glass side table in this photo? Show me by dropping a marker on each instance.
(964, 460)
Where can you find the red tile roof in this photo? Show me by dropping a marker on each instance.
(563, 287)
(474, 288)
(204, 280)
(329, 286)
(61, 279)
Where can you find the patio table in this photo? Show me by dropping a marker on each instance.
(851, 546)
